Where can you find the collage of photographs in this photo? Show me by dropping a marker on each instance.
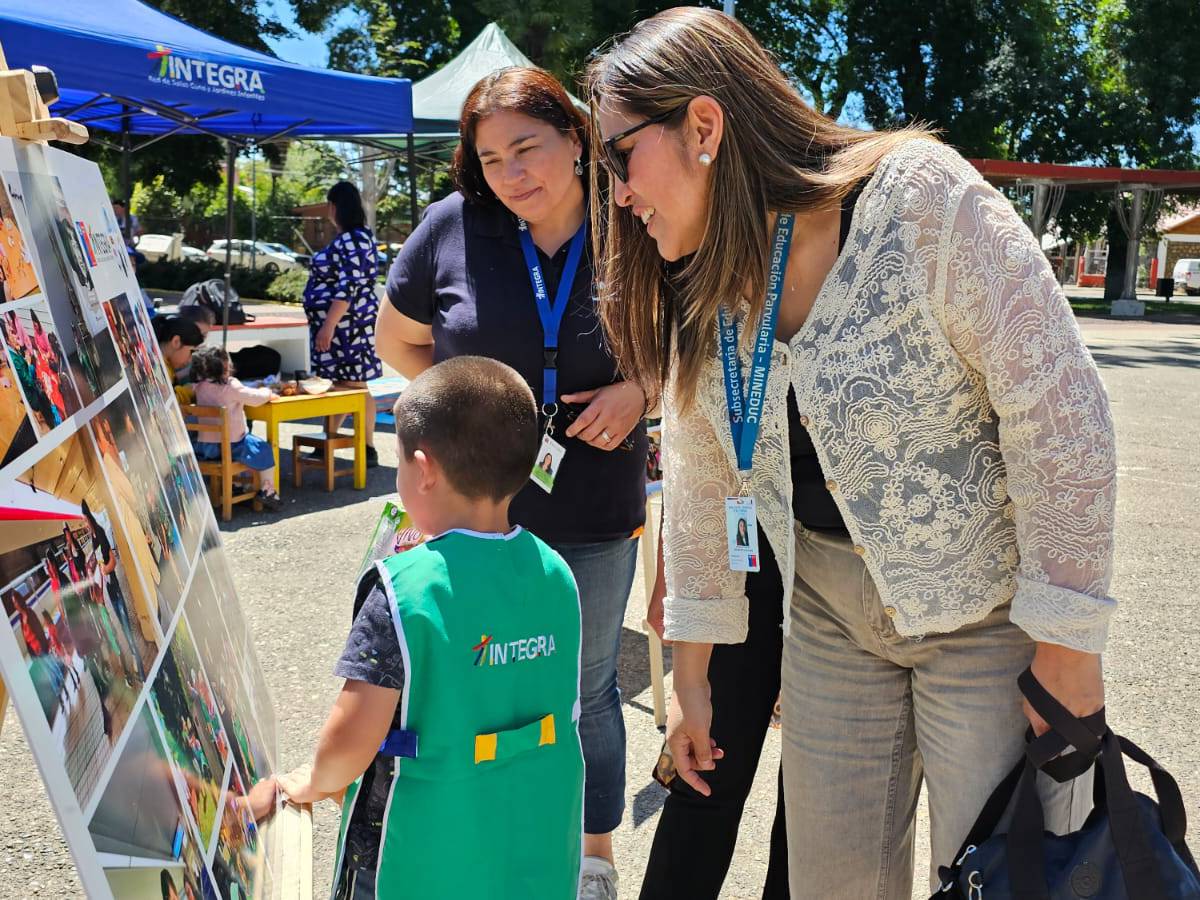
(148, 698)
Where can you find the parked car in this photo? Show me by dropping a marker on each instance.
(158, 246)
(1187, 276)
(303, 258)
(257, 254)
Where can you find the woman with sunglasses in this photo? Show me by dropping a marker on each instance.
(502, 268)
(939, 489)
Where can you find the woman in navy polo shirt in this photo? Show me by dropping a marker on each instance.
(489, 272)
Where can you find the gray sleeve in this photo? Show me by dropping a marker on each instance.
(372, 653)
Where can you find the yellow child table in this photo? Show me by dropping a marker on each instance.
(315, 406)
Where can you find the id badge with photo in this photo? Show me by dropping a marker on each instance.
(545, 467)
(741, 529)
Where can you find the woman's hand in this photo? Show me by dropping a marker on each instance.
(689, 717)
(324, 338)
(612, 412)
(1074, 678)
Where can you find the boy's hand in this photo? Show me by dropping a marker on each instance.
(297, 786)
(260, 799)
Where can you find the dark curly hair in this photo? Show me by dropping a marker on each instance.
(209, 364)
(526, 90)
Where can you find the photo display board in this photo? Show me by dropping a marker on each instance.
(127, 656)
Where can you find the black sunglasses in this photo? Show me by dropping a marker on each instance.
(617, 161)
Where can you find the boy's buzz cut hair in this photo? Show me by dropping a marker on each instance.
(478, 420)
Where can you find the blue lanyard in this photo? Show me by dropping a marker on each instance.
(745, 404)
(551, 316)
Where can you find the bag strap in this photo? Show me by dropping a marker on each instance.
(1078, 732)
(1025, 840)
(1170, 800)
(1139, 868)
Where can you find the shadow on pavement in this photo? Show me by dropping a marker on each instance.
(1169, 353)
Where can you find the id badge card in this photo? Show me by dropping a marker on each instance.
(741, 529)
(545, 467)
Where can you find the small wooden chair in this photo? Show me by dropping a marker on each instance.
(221, 473)
(327, 443)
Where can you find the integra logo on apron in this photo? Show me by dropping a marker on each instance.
(492, 653)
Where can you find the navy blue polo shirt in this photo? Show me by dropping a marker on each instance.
(462, 271)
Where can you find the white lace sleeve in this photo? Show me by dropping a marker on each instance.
(1006, 314)
(705, 602)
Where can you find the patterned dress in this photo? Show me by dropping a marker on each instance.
(345, 270)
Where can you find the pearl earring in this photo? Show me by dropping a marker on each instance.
(705, 160)
(578, 166)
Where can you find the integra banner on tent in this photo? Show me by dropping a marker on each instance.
(126, 656)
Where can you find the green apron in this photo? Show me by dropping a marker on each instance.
(487, 796)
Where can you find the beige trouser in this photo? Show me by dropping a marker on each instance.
(868, 713)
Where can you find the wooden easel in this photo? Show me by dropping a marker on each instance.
(24, 114)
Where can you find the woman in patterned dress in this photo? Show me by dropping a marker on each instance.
(341, 304)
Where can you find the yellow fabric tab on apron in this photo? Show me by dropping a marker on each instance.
(507, 744)
(485, 748)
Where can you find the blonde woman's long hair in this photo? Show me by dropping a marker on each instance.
(777, 154)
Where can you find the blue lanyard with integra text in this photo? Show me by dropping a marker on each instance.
(745, 404)
(551, 315)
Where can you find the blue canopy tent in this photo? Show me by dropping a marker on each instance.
(127, 68)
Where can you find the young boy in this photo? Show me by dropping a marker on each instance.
(461, 702)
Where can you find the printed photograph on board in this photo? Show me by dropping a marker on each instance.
(263, 718)
(75, 606)
(192, 727)
(40, 364)
(18, 276)
(149, 848)
(152, 525)
(138, 352)
(238, 863)
(224, 661)
(68, 286)
(16, 425)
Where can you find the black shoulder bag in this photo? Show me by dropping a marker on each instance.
(1130, 847)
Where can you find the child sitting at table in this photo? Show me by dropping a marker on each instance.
(460, 708)
(212, 373)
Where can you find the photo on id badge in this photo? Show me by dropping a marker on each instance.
(545, 467)
(741, 530)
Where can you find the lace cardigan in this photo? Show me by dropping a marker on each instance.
(955, 410)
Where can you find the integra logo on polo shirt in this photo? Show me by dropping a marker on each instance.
(492, 653)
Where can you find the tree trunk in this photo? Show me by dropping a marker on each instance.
(1118, 243)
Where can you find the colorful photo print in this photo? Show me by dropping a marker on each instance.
(147, 846)
(192, 727)
(224, 661)
(18, 277)
(40, 365)
(239, 861)
(67, 282)
(74, 606)
(148, 518)
(138, 351)
(263, 718)
(16, 427)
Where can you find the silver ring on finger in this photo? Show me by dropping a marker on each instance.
(607, 437)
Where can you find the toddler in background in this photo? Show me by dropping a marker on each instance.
(212, 373)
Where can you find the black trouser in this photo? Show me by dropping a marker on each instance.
(694, 842)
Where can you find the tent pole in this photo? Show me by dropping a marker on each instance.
(126, 178)
(412, 184)
(230, 162)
